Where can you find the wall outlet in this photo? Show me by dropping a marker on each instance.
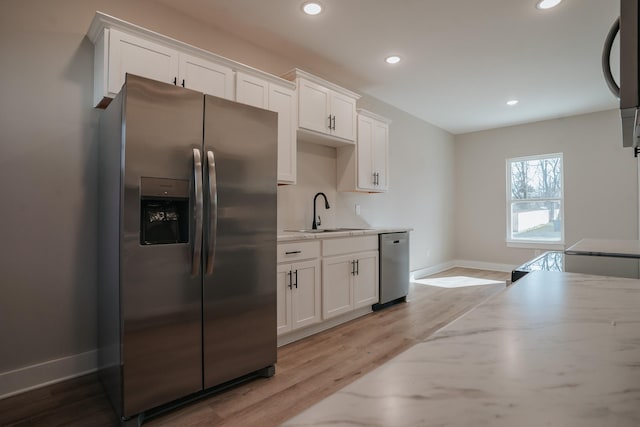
(357, 209)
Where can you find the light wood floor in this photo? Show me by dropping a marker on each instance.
(306, 372)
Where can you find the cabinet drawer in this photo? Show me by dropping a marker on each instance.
(288, 252)
(349, 245)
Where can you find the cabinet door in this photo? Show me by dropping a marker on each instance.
(284, 298)
(131, 54)
(206, 76)
(365, 153)
(305, 295)
(380, 150)
(365, 282)
(313, 106)
(343, 109)
(337, 298)
(252, 90)
(282, 101)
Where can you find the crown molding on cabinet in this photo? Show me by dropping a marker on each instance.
(374, 116)
(298, 73)
(101, 21)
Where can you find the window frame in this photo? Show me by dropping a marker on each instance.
(533, 243)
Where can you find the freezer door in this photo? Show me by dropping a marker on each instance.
(161, 298)
(239, 286)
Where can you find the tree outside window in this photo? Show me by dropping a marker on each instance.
(535, 199)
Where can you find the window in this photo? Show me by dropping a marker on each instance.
(535, 200)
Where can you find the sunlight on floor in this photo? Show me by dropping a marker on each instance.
(456, 281)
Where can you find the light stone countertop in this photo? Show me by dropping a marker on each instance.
(606, 247)
(554, 349)
(285, 236)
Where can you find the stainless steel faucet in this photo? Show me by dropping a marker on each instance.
(315, 224)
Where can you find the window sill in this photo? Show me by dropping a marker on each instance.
(558, 246)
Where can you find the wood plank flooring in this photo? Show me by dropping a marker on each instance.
(306, 372)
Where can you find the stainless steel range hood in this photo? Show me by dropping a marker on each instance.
(627, 92)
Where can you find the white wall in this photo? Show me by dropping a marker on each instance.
(600, 179)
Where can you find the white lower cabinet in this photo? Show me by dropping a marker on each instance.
(365, 282)
(349, 282)
(311, 299)
(336, 286)
(299, 294)
(349, 274)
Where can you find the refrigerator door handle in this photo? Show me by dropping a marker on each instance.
(197, 187)
(213, 211)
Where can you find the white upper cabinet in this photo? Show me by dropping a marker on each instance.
(343, 111)
(326, 112)
(252, 90)
(205, 76)
(308, 107)
(121, 47)
(365, 167)
(118, 52)
(282, 100)
(313, 108)
(130, 54)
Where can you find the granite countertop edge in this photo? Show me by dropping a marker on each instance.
(290, 236)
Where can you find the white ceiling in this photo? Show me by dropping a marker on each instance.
(462, 59)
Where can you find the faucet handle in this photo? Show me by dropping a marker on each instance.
(319, 221)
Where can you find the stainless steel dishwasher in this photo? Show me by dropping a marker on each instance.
(394, 268)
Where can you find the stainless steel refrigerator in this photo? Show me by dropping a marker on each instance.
(187, 244)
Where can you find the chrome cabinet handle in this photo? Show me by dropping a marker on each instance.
(290, 282)
(353, 268)
(213, 211)
(334, 123)
(197, 212)
(606, 58)
(329, 121)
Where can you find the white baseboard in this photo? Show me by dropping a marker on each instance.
(428, 271)
(50, 372)
(479, 265)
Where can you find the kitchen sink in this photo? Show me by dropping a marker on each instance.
(327, 230)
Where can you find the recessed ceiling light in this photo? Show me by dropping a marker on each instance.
(392, 59)
(312, 8)
(547, 4)
(512, 102)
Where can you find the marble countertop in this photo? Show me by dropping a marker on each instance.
(284, 236)
(606, 247)
(554, 349)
